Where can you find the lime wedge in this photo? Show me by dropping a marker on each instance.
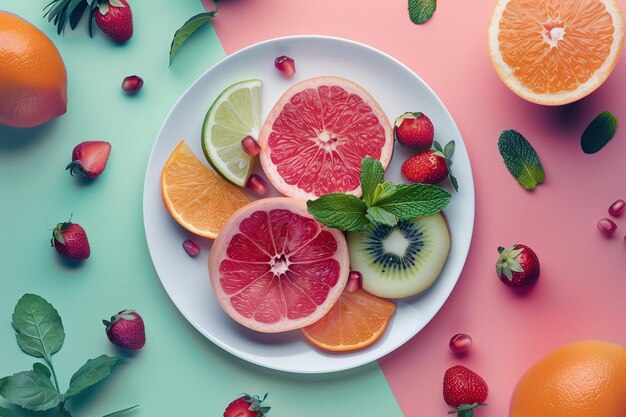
(235, 114)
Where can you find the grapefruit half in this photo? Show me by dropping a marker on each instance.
(274, 268)
(317, 134)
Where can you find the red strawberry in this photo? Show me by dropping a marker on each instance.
(70, 240)
(464, 390)
(90, 158)
(247, 406)
(115, 18)
(431, 167)
(414, 130)
(517, 266)
(126, 330)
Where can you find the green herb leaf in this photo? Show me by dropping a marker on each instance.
(521, 159)
(190, 26)
(599, 132)
(407, 201)
(30, 390)
(42, 370)
(120, 412)
(116, 3)
(38, 327)
(372, 174)
(382, 216)
(341, 211)
(92, 372)
(5, 412)
(420, 11)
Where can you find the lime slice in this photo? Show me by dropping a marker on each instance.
(235, 114)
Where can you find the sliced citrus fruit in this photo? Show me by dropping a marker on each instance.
(356, 321)
(554, 52)
(197, 198)
(274, 268)
(235, 114)
(317, 134)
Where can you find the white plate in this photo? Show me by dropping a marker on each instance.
(397, 89)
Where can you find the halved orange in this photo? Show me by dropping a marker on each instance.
(554, 52)
(357, 320)
(196, 197)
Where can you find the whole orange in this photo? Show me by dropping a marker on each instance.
(584, 379)
(33, 79)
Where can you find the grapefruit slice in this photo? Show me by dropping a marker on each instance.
(317, 134)
(274, 268)
(357, 320)
(196, 197)
(555, 52)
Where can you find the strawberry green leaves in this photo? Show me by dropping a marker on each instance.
(383, 202)
(599, 132)
(186, 30)
(420, 11)
(521, 159)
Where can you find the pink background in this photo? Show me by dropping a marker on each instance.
(583, 280)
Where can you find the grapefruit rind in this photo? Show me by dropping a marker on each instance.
(270, 168)
(506, 74)
(219, 254)
(230, 160)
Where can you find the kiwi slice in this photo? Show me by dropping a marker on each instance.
(402, 260)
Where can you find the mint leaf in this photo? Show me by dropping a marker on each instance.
(407, 201)
(372, 174)
(120, 412)
(190, 26)
(521, 159)
(30, 390)
(42, 369)
(92, 372)
(341, 211)
(599, 132)
(382, 216)
(420, 11)
(38, 327)
(5, 412)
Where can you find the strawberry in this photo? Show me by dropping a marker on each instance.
(414, 130)
(517, 266)
(432, 166)
(115, 19)
(70, 240)
(464, 389)
(126, 330)
(90, 158)
(247, 406)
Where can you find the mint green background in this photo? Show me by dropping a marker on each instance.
(179, 372)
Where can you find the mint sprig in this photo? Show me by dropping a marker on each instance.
(420, 11)
(521, 159)
(383, 202)
(188, 28)
(599, 132)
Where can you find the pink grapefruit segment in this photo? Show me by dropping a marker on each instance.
(317, 134)
(274, 268)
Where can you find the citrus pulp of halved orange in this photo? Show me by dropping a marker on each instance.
(554, 52)
(196, 197)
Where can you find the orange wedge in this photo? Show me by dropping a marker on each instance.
(554, 52)
(356, 321)
(197, 198)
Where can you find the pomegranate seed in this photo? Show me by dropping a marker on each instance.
(191, 248)
(286, 65)
(257, 184)
(607, 226)
(617, 208)
(250, 146)
(132, 84)
(355, 281)
(460, 343)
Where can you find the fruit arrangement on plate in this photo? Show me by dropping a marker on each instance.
(330, 255)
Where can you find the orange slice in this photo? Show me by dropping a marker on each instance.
(554, 52)
(197, 198)
(356, 321)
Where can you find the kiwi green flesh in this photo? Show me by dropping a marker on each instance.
(403, 260)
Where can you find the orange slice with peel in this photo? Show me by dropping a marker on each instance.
(196, 197)
(554, 52)
(357, 320)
